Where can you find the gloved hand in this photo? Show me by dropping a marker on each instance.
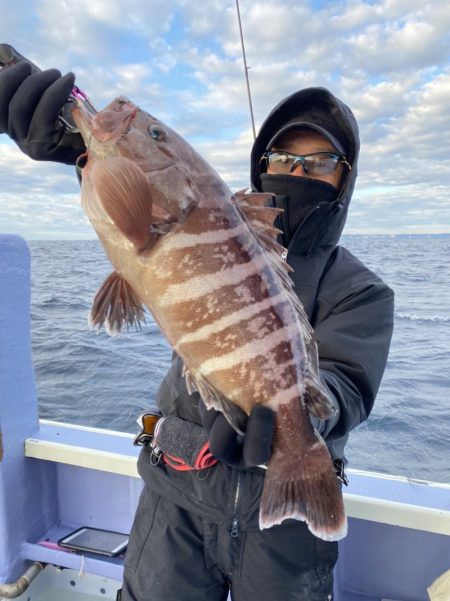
(226, 445)
(29, 108)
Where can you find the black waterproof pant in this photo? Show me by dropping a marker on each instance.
(175, 555)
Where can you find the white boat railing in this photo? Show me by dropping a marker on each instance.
(383, 498)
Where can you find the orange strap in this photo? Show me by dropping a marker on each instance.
(203, 460)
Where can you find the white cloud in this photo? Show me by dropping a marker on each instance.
(388, 60)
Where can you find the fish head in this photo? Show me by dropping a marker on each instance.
(120, 129)
(178, 177)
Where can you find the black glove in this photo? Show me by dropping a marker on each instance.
(29, 108)
(226, 445)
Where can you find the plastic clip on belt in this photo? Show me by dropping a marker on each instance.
(340, 471)
(181, 444)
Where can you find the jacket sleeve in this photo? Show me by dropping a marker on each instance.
(353, 326)
(173, 397)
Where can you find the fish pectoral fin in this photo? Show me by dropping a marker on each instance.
(316, 399)
(124, 192)
(115, 306)
(214, 399)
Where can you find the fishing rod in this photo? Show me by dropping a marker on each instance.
(10, 56)
(246, 70)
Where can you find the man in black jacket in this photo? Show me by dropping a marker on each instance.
(196, 534)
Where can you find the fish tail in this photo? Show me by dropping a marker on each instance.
(301, 484)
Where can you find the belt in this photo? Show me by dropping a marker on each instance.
(182, 444)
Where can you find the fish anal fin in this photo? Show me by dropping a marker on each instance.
(123, 190)
(301, 481)
(116, 306)
(316, 400)
(214, 399)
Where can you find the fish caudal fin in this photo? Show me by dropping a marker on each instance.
(307, 492)
(301, 483)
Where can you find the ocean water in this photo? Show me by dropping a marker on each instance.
(94, 379)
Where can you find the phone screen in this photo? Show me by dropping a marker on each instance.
(95, 540)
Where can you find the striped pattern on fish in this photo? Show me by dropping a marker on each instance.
(207, 265)
(246, 318)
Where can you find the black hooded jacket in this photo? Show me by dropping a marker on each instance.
(349, 307)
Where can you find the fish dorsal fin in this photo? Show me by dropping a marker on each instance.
(260, 218)
(258, 212)
(316, 399)
(266, 234)
(254, 199)
(115, 306)
(270, 244)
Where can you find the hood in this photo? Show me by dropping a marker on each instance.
(319, 106)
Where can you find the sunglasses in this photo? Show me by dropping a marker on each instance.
(315, 164)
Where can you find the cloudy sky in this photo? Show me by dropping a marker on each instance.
(181, 61)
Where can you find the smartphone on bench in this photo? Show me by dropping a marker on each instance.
(95, 540)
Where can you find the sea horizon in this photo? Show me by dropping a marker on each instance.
(344, 235)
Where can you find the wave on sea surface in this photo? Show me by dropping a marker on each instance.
(423, 318)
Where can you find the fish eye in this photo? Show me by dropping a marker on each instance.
(157, 133)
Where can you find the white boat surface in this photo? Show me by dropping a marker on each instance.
(55, 477)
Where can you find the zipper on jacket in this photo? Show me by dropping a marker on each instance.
(234, 532)
(337, 207)
(308, 215)
(234, 528)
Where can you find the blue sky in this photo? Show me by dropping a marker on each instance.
(181, 61)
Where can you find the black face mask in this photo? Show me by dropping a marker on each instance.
(297, 196)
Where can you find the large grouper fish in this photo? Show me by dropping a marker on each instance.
(207, 265)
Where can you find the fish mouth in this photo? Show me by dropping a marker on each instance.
(112, 123)
(83, 117)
